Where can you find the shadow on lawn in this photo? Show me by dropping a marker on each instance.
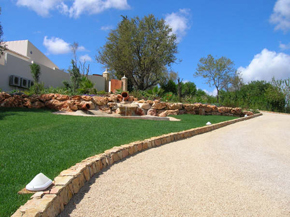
(4, 112)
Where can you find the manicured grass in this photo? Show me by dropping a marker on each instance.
(34, 141)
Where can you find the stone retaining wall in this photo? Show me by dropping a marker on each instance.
(50, 203)
(114, 104)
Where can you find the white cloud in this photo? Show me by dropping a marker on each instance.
(211, 93)
(41, 7)
(78, 7)
(179, 22)
(56, 45)
(284, 46)
(81, 48)
(281, 15)
(266, 65)
(95, 6)
(106, 28)
(85, 58)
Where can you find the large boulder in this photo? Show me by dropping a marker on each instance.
(13, 101)
(77, 97)
(46, 97)
(159, 105)
(61, 97)
(55, 104)
(163, 114)
(145, 106)
(149, 101)
(27, 103)
(99, 100)
(172, 112)
(105, 109)
(152, 112)
(210, 108)
(139, 111)
(33, 98)
(86, 98)
(236, 111)
(173, 106)
(188, 107)
(3, 96)
(38, 105)
(113, 98)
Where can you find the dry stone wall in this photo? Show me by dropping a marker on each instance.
(114, 104)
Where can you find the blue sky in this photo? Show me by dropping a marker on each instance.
(254, 34)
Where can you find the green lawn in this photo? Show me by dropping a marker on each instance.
(34, 141)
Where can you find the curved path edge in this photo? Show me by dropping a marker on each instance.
(68, 183)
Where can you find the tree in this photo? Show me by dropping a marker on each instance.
(284, 86)
(142, 49)
(188, 89)
(170, 86)
(84, 69)
(35, 72)
(75, 76)
(217, 71)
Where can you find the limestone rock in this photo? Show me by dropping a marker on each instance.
(27, 103)
(61, 97)
(159, 105)
(113, 98)
(99, 100)
(145, 106)
(38, 105)
(105, 109)
(140, 111)
(163, 114)
(46, 97)
(182, 112)
(13, 101)
(33, 98)
(3, 96)
(236, 111)
(54, 104)
(77, 97)
(112, 104)
(201, 111)
(152, 112)
(197, 105)
(131, 99)
(210, 108)
(173, 106)
(72, 105)
(150, 102)
(172, 112)
(86, 98)
(188, 107)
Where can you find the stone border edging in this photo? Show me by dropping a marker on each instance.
(50, 203)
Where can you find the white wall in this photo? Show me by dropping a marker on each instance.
(26, 48)
(16, 66)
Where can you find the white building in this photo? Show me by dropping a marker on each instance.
(15, 68)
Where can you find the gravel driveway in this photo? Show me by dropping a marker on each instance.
(239, 170)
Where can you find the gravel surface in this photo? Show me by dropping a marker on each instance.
(239, 170)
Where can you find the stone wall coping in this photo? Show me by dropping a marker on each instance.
(51, 202)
